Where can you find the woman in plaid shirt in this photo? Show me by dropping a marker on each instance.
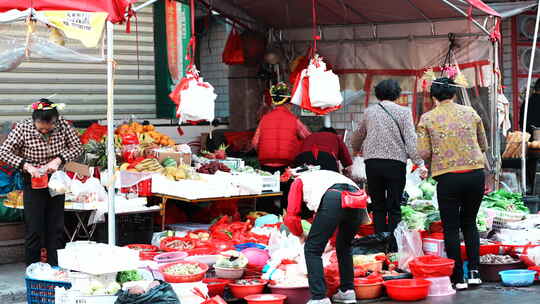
(37, 145)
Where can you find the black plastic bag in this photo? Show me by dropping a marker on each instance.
(162, 294)
(372, 244)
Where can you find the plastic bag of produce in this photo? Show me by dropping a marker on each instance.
(409, 245)
(59, 183)
(90, 191)
(161, 294)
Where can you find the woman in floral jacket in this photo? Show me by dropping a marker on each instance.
(452, 139)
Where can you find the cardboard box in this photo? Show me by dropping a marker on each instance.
(180, 158)
(79, 169)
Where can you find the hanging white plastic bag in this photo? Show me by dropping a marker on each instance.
(409, 245)
(59, 183)
(358, 170)
(194, 97)
(197, 101)
(324, 87)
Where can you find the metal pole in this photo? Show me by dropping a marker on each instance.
(459, 10)
(111, 154)
(496, 147)
(526, 104)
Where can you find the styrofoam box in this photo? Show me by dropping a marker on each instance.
(98, 259)
(63, 296)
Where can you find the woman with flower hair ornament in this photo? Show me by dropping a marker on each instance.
(39, 146)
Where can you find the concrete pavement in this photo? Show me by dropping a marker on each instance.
(12, 284)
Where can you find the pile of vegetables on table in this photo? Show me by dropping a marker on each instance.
(503, 200)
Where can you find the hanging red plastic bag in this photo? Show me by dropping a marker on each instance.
(430, 266)
(194, 97)
(254, 46)
(233, 53)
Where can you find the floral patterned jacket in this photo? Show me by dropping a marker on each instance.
(451, 138)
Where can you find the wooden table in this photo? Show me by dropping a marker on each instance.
(165, 198)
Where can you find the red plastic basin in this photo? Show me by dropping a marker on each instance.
(169, 278)
(407, 289)
(216, 287)
(241, 291)
(266, 299)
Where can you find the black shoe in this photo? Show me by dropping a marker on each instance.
(474, 278)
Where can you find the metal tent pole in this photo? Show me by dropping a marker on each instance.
(495, 139)
(526, 104)
(462, 12)
(111, 154)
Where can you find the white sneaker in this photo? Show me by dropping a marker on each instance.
(348, 297)
(323, 301)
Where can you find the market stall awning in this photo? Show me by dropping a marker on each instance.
(290, 14)
(115, 8)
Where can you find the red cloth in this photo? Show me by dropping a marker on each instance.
(295, 200)
(278, 137)
(115, 8)
(327, 142)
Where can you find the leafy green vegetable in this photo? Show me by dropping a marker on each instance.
(505, 201)
(428, 190)
(432, 217)
(128, 276)
(415, 220)
(481, 221)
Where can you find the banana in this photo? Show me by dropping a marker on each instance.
(124, 166)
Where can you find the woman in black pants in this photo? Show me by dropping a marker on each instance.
(38, 147)
(321, 191)
(452, 139)
(386, 138)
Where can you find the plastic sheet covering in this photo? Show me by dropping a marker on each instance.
(11, 53)
(14, 49)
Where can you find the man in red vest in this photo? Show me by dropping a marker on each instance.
(279, 135)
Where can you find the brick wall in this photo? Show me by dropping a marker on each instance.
(212, 69)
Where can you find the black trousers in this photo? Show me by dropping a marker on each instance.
(44, 224)
(386, 183)
(459, 196)
(330, 217)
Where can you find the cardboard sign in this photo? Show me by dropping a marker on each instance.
(80, 169)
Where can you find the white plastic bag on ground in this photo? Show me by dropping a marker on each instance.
(59, 183)
(358, 170)
(324, 88)
(409, 245)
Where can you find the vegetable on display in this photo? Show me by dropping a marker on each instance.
(128, 276)
(183, 269)
(503, 200)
